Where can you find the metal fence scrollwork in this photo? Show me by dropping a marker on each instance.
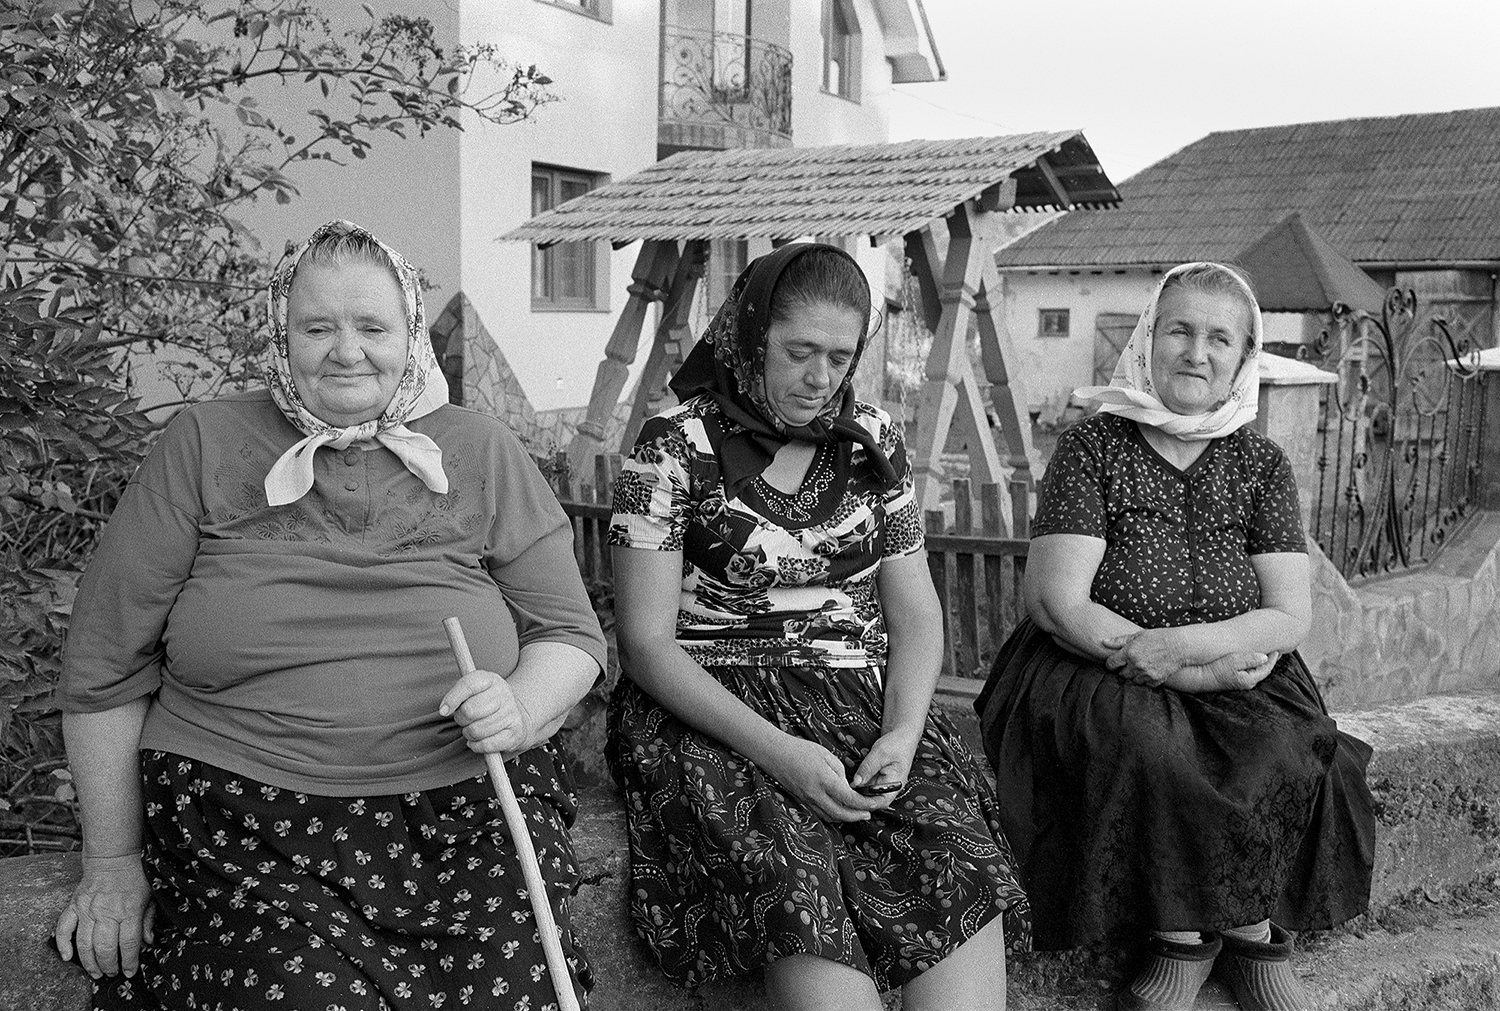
(715, 78)
(1401, 437)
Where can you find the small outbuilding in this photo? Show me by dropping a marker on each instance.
(1409, 200)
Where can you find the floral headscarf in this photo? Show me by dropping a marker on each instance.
(421, 390)
(728, 365)
(1132, 393)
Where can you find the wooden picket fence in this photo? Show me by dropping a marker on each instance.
(978, 574)
(585, 500)
(976, 571)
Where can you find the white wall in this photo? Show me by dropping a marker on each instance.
(1055, 366)
(821, 118)
(605, 121)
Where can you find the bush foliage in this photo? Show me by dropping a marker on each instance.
(129, 141)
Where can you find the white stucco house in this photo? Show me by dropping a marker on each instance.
(634, 82)
(637, 82)
(1412, 200)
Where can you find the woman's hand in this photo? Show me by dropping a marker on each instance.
(1147, 657)
(810, 772)
(1236, 672)
(110, 914)
(1153, 657)
(492, 718)
(888, 761)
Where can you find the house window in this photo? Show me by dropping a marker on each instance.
(601, 9)
(840, 49)
(565, 275)
(1052, 323)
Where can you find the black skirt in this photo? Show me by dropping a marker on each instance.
(1132, 808)
(270, 898)
(729, 872)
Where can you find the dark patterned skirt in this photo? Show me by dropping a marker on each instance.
(728, 872)
(1134, 808)
(272, 898)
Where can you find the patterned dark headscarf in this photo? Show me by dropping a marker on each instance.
(728, 366)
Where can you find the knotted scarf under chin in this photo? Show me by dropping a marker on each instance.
(291, 476)
(747, 448)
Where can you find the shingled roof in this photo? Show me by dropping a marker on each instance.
(843, 189)
(1418, 190)
(1294, 269)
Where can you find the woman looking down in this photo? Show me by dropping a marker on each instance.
(793, 803)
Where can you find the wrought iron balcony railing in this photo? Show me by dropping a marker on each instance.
(723, 90)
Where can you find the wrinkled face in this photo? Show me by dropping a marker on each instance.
(346, 339)
(807, 356)
(1199, 342)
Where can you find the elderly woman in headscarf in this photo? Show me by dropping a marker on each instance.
(1166, 765)
(280, 772)
(793, 803)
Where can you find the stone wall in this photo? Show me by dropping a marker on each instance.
(489, 384)
(1431, 630)
(1435, 777)
(1428, 630)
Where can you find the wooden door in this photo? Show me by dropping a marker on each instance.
(1111, 332)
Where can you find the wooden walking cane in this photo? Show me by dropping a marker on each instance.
(531, 870)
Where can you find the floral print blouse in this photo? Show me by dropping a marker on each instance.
(769, 578)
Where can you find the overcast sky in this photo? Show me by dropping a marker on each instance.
(1144, 78)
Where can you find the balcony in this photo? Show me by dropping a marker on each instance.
(720, 90)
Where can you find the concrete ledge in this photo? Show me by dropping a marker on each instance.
(1452, 964)
(33, 891)
(1435, 776)
(1436, 781)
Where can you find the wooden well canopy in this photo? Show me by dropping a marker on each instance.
(678, 205)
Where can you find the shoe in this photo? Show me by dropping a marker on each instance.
(1260, 975)
(1173, 975)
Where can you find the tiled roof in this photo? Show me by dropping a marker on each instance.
(1294, 269)
(845, 189)
(1418, 189)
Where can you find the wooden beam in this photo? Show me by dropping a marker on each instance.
(951, 396)
(653, 265)
(1059, 191)
(999, 197)
(1069, 171)
(1002, 368)
(668, 344)
(921, 249)
(950, 390)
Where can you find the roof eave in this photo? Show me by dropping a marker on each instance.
(1076, 268)
(909, 46)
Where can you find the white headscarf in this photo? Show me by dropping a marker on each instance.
(421, 391)
(1132, 393)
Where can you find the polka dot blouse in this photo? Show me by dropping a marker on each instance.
(1178, 541)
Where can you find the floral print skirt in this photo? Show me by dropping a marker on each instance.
(729, 872)
(272, 898)
(1135, 809)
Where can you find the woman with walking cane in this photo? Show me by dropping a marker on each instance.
(283, 789)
